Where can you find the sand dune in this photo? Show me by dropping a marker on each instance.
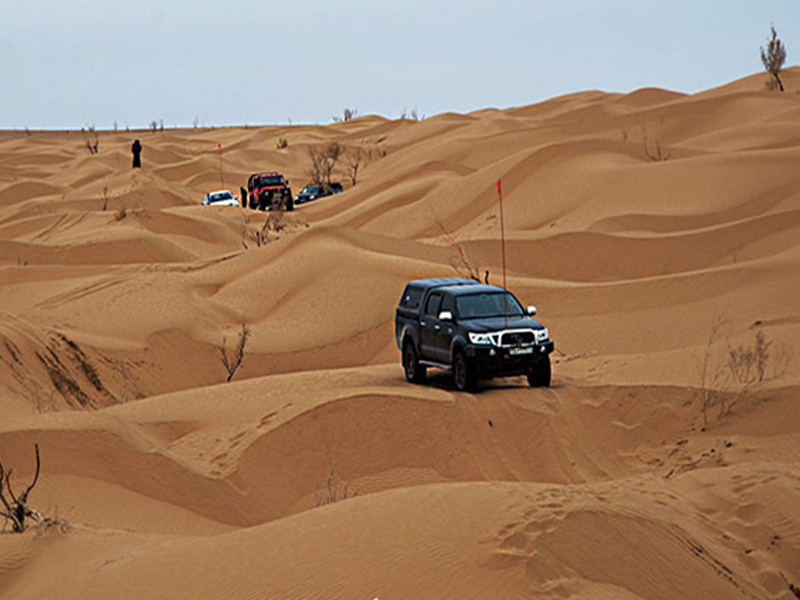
(655, 231)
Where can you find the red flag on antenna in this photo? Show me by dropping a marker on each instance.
(499, 189)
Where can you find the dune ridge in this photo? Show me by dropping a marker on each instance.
(655, 231)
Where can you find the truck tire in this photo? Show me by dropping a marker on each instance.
(464, 375)
(539, 375)
(415, 372)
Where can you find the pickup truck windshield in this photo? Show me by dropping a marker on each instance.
(482, 306)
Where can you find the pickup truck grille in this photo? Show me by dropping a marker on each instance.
(517, 338)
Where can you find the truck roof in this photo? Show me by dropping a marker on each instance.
(456, 285)
(476, 288)
(442, 282)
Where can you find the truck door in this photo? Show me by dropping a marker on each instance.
(444, 330)
(428, 322)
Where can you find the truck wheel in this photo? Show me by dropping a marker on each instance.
(539, 375)
(464, 375)
(415, 372)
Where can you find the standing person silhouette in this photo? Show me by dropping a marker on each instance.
(137, 154)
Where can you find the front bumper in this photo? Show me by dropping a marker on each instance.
(493, 361)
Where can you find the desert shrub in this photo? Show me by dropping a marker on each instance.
(354, 159)
(15, 508)
(233, 361)
(334, 490)
(727, 378)
(104, 198)
(462, 265)
(654, 145)
(91, 140)
(323, 162)
(348, 114)
(282, 143)
(773, 57)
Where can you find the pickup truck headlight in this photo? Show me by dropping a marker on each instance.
(541, 334)
(480, 339)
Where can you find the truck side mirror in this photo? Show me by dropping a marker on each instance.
(445, 315)
(531, 310)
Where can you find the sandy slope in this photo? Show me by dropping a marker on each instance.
(615, 483)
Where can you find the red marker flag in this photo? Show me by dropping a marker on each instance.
(503, 249)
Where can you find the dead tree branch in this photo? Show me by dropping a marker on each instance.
(471, 272)
(17, 509)
(234, 361)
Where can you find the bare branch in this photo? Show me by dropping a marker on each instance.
(471, 272)
(17, 510)
(354, 159)
(773, 58)
(323, 162)
(24, 495)
(234, 361)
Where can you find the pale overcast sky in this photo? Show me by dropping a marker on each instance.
(73, 63)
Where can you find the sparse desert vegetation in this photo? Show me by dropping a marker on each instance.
(774, 57)
(221, 386)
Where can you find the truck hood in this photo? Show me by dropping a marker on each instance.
(499, 324)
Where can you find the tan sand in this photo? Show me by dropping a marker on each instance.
(616, 483)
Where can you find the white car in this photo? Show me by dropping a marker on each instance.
(220, 198)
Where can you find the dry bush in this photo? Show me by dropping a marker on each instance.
(655, 147)
(282, 143)
(413, 115)
(270, 228)
(121, 213)
(51, 524)
(234, 361)
(464, 267)
(104, 198)
(773, 58)
(354, 159)
(323, 162)
(272, 224)
(334, 490)
(92, 140)
(348, 114)
(15, 508)
(725, 379)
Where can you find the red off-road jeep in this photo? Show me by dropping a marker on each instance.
(269, 190)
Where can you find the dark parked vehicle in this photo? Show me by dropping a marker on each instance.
(309, 193)
(478, 331)
(269, 190)
(315, 191)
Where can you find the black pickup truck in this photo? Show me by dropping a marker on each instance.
(478, 331)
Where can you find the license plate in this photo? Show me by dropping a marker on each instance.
(517, 351)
